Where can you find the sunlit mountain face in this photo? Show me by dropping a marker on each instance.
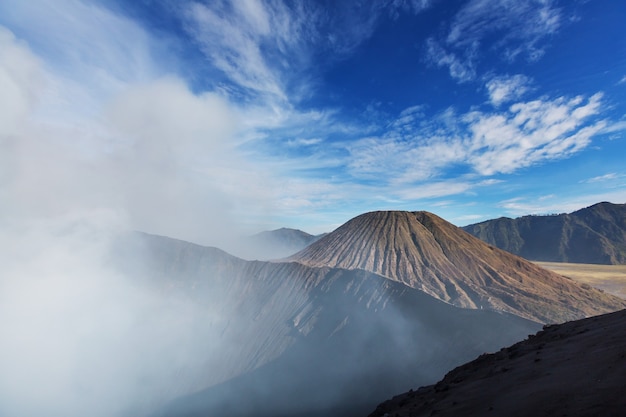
(594, 235)
(209, 121)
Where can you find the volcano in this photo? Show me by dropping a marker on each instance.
(428, 253)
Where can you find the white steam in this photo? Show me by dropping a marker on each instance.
(77, 337)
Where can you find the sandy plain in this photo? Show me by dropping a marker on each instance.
(609, 278)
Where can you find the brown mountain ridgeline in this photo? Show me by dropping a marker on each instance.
(425, 252)
(593, 235)
(576, 369)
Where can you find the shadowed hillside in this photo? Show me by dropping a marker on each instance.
(425, 252)
(575, 369)
(594, 235)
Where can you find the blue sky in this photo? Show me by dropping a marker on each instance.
(187, 117)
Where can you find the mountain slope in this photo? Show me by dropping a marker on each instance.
(271, 334)
(595, 234)
(426, 252)
(575, 369)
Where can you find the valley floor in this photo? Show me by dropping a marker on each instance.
(609, 278)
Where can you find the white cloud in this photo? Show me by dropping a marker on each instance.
(467, 218)
(304, 142)
(605, 177)
(531, 132)
(546, 197)
(507, 88)
(234, 42)
(179, 171)
(273, 49)
(93, 124)
(83, 43)
(165, 114)
(521, 206)
(619, 126)
(486, 143)
(519, 27)
(462, 68)
(526, 22)
(434, 189)
(490, 181)
(20, 80)
(159, 154)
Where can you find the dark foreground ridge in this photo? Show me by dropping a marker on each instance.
(428, 253)
(593, 235)
(575, 369)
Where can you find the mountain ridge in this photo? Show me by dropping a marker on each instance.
(574, 369)
(594, 234)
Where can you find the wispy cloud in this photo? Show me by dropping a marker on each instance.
(75, 39)
(521, 206)
(464, 219)
(304, 142)
(502, 89)
(252, 43)
(520, 28)
(21, 79)
(484, 143)
(267, 48)
(531, 132)
(435, 189)
(605, 177)
(462, 68)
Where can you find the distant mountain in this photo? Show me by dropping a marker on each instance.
(271, 244)
(425, 252)
(279, 243)
(287, 339)
(595, 235)
(574, 369)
